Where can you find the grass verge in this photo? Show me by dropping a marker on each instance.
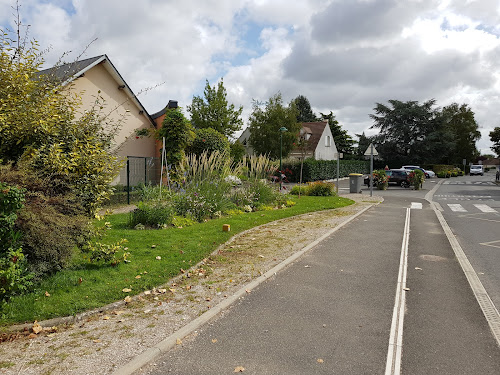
(85, 286)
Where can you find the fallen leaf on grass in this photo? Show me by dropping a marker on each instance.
(158, 257)
(127, 299)
(47, 294)
(126, 290)
(239, 369)
(138, 277)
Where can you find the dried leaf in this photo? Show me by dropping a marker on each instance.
(37, 328)
(172, 290)
(158, 257)
(178, 342)
(162, 291)
(105, 317)
(418, 268)
(320, 360)
(138, 277)
(214, 341)
(239, 369)
(96, 341)
(147, 292)
(126, 290)
(153, 246)
(127, 299)
(47, 294)
(188, 287)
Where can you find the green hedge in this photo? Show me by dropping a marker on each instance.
(315, 170)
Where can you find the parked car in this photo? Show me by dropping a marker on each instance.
(476, 169)
(427, 173)
(396, 176)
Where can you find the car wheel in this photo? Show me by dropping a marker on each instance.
(405, 184)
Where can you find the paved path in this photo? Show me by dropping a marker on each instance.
(331, 311)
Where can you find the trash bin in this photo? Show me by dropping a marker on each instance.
(355, 181)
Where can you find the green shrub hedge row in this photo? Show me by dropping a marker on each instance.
(315, 170)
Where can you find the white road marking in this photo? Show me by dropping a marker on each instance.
(393, 363)
(416, 206)
(457, 208)
(485, 208)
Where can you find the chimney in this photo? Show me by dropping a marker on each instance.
(172, 104)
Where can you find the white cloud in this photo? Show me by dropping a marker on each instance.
(343, 55)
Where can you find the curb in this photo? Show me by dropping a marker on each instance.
(154, 352)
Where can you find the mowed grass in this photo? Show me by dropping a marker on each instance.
(86, 286)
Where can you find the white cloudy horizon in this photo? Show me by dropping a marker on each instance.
(343, 55)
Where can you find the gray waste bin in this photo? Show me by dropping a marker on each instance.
(355, 181)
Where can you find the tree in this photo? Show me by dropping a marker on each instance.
(363, 144)
(403, 127)
(178, 134)
(305, 113)
(495, 138)
(459, 121)
(265, 125)
(343, 141)
(213, 111)
(42, 127)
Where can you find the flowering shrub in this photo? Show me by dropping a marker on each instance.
(417, 178)
(381, 179)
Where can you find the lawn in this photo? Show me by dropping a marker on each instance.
(85, 286)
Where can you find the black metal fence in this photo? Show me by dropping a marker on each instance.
(139, 171)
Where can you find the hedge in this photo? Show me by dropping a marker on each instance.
(315, 170)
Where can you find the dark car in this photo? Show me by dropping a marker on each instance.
(396, 176)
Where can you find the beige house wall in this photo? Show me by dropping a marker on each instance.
(120, 107)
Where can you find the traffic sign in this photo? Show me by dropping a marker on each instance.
(371, 150)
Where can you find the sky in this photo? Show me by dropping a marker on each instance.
(343, 55)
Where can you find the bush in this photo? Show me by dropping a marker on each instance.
(11, 200)
(14, 275)
(315, 170)
(321, 189)
(52, 223)
(153, 214)
(381, 179)
(299, 189)
(209, 140)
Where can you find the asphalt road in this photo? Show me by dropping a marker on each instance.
(331, 311)
(471, 206)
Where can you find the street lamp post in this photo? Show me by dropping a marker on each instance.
(282, 130)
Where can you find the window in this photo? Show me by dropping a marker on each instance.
(328, 141)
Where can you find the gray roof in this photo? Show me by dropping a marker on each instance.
(67, 72)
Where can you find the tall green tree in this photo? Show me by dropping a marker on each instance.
(363, 144)
(343, 141)
(265, 125)
(178, 134)
(305, 112)
(403, 128)
(495, 138)
(459, 121)
(214, 111)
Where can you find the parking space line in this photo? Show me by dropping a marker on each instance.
(393, 363)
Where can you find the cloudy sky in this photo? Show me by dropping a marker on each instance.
(343, 55)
